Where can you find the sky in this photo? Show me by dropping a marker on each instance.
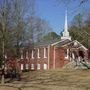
(54, 13)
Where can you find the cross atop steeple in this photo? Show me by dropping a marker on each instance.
(65, 32)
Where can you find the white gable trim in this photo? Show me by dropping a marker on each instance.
(57, 42)
(82, 45)
(77, 42)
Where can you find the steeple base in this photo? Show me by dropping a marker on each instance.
(64, 38)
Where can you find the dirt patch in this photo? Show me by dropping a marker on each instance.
(7, 88)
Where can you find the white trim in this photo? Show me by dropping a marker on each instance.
(27, 66)
(32, 66)
(38, 53)
(38, 66)
(45, 66)
(27, 55)
(57, 42)
(21, 56)
(73, 56)
(5, 56)
(82, 45)
(77, 42)
(32, 54)
(67, 57)
(45, 53)
(22, 66)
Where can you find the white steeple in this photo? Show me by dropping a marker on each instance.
(65, 32)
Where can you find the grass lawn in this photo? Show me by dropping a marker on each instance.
(58, 79)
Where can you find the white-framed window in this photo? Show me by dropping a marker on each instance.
(45, 52)
(27, 55)
(27, 66)
(5, 56)
(45, 66)
(22, 66)
(32, 54)
(38, 53)
(38, 66)
(32, 66)
(22, 56)
(66, 53)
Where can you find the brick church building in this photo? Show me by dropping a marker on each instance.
(54, 54)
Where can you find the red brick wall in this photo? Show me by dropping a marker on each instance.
(59, 59)
(51, 57)
(40, 60)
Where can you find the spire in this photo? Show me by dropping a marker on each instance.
(65, 32)
(66, 26)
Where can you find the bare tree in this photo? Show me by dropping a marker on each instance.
(21, 12)
(13, 14)
(4, 20)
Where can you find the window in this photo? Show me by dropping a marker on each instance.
(45, 55)
(38, 53)
(45, 66)
(22, 66)
(32, 66)
(21, 56)
(27, 66)
(32, 54)
(66, 53)
(27, 55)
(38, 66)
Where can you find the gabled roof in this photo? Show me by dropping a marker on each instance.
(62, 42)
(67, 43)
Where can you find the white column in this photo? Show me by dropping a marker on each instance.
(73, 56)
